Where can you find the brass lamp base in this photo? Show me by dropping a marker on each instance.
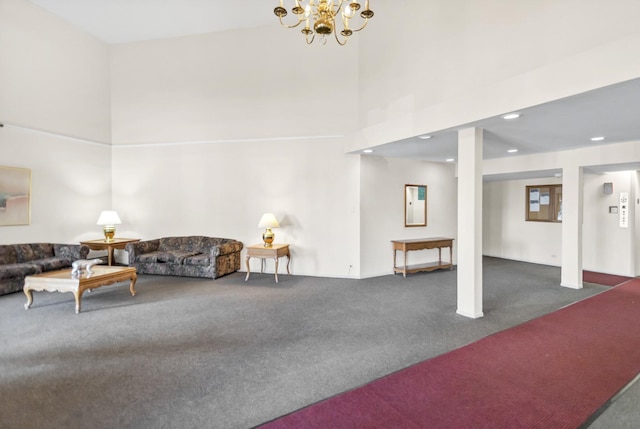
(109, 233)
(267, 237)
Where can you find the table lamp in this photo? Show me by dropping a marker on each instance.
(268, 221)
(109, 219)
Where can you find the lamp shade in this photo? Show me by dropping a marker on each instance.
(268, 220)
(109, 217)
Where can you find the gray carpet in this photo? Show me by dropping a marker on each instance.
(194, 353)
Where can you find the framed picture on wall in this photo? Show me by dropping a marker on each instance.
(15, 196)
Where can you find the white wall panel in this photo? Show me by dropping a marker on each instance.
(53, 77)
(223, 189)
(382, 209)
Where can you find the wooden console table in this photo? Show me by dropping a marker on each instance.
(420, 244)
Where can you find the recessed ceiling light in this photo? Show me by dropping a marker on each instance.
(511, 116)
(512, 150)
(368, 151)
(425, 137)
(450, 159)
(597, 139)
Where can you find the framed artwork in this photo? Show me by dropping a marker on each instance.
(15, 196)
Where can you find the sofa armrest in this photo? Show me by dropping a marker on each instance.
(231, 246)
(141, 247)
(72, 252)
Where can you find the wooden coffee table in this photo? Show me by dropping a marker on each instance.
(63, 281)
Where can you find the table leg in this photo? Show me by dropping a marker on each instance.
(439, 255)
(110, 255)
(29, 294)
(451, 257)
(132, 285)
(394, 260)
(78, 296)
(248, 268)
(288, 261)
(276, 259)
(404, 269)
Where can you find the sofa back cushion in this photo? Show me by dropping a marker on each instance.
(193, 243)
(32, 251)
(8, 255)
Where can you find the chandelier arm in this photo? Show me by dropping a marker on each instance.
(346, 39)
(289, 26)
(338, 10)
(364, 24)
(306, 37)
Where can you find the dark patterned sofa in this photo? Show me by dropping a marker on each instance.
(20, 260)
(192, 256)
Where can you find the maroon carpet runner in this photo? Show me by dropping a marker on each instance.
(603, 279)
(552, 372)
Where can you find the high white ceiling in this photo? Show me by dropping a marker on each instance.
(612, 112)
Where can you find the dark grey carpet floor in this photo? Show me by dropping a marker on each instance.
(196, 353)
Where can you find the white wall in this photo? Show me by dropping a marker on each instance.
(382, 209)
(53, 77)
(606, 247)
(54, 83)
(222, 190)
(461, 61)
(252, 84)
(506, 234)
(250, 129)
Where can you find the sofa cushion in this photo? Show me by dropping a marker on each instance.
(42, 250)
(200, 259)
(194, 243)
(24, 252)
(176, 256)
(8, 255)
(49, 264)
(32, 251)
(149, 257)
(18, 270)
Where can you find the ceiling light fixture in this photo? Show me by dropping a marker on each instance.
(425, 137)
(512, 150)
(450, 159)
(511, 116)
(597, 139)
(367, 151)
(319, 17)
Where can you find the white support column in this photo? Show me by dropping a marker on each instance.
(571, 274)
(469, 242)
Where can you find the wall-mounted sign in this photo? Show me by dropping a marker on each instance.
(624, 209)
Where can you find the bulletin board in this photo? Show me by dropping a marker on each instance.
(543, 203)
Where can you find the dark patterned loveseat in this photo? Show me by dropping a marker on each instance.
(192, 256)
(20, 260)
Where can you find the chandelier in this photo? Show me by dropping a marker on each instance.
(319, 17)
